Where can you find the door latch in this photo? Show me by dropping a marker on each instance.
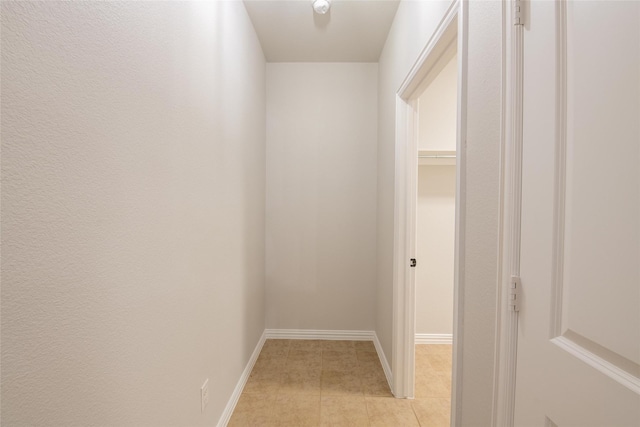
(413, 262)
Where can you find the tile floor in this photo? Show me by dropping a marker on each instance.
(340, 383)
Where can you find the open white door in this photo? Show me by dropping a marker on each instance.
(578, 358)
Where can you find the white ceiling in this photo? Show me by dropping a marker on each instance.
(352, 31)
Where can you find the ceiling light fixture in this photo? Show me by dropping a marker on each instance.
(321, 6)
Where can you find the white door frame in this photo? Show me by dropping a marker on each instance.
(504, 387)
(453, 25)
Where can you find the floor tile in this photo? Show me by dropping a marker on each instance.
(423, 367)
(367, 356)
(269, 363)
(306, 345)
(275, 348)
(253, 410)
(431, 386)
(440, 362)
(446, 408)
(364, 346)
(385, 412)
(338, 411)
(339, 360)
(341, 383)
(276, 343)
(263, 382)
(369, 368)
(375, 384)
(302, 381)
(433, 383)
(445, 378)
(338, 345)
(441, 348)
(298, 359)
(432, 412)
(297, 410)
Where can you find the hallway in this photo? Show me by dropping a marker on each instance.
(175, 185)
(340, 383)
(181, 179)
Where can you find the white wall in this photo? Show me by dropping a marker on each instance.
(321, 195)
(436, 211)
(414, 24)
(438, 110)
(133, 165)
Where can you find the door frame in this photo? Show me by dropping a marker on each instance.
(452, 27)
(504, 387)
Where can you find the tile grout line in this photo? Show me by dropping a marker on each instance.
(415, 415)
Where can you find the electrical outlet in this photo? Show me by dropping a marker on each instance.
(204, 394)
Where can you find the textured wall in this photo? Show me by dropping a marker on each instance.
(133, 164)
(321, 195)
(482, 228)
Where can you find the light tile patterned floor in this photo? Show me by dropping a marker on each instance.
(340, 383)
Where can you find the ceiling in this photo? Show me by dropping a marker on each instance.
(352, 31)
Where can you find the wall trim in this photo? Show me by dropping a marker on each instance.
(318, 334)
(403, 351)
(504, 387)
(434, 338)
(383, 360)
(438, 43)
(233, 400)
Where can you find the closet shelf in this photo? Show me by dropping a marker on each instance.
(432, 157)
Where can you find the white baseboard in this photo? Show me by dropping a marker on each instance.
(383, 360)
(434, 338)
(233, 400)
(314, 334)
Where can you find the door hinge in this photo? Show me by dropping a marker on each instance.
(514, 293)
(413, 262)
(518, 12)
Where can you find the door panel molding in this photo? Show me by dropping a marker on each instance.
(560, 186)
(577, 344)
(606, 361)
(602, 364)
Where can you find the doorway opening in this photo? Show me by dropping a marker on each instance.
(435, 150)
(435, 233)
